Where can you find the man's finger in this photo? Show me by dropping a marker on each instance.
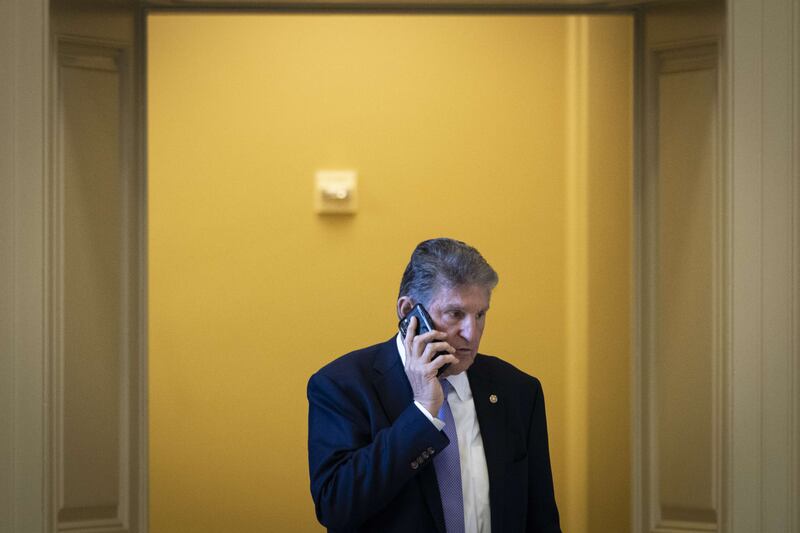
(435, 347)
(411, 330)
(441, 360)
(421, 341)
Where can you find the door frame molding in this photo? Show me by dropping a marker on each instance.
(763, 335)
(24, 146)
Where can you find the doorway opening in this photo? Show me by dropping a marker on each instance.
(510, 132)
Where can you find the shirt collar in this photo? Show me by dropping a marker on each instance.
(460, 382)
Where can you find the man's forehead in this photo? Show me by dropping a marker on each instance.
(462, 296)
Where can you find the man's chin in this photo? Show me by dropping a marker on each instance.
(463, 364)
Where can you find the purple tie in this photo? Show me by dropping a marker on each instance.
(448, 470)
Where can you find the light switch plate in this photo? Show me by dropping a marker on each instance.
(336, 192)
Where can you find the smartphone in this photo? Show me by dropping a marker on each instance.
(424, 325)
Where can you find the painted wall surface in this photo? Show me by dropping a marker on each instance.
(456, 126)
(609, 164)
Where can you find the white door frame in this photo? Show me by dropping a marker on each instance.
(24, 65)
(763, 160)
(763, 163)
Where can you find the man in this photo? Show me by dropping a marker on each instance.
(390, 450)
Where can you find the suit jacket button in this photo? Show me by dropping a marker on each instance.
(430, 451)
(425, 454)
(414, 465)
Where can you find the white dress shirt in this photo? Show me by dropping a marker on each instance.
(474, 473)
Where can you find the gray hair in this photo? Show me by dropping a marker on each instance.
(443, 262)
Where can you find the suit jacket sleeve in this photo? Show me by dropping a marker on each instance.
(542, 510)
(356, 470)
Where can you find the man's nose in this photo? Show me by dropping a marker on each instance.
(468, 327)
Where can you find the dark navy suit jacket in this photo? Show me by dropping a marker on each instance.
(370, 448)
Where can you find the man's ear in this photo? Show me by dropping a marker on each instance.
(404, 306)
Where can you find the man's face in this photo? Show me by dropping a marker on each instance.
(461, 313)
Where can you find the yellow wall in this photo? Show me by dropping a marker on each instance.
(456, 125)
(598, 178)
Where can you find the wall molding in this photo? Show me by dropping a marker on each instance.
(686, 56)
(113, 58)
(667, 59)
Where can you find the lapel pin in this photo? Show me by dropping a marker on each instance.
(493, 398)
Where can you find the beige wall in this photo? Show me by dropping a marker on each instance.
(457, 125)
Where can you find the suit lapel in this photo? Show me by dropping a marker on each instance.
(492, 420)
(394, 392)
(391, 383)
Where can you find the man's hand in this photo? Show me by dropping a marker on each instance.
(422, 366)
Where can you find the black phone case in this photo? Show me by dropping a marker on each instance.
(424, 325)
